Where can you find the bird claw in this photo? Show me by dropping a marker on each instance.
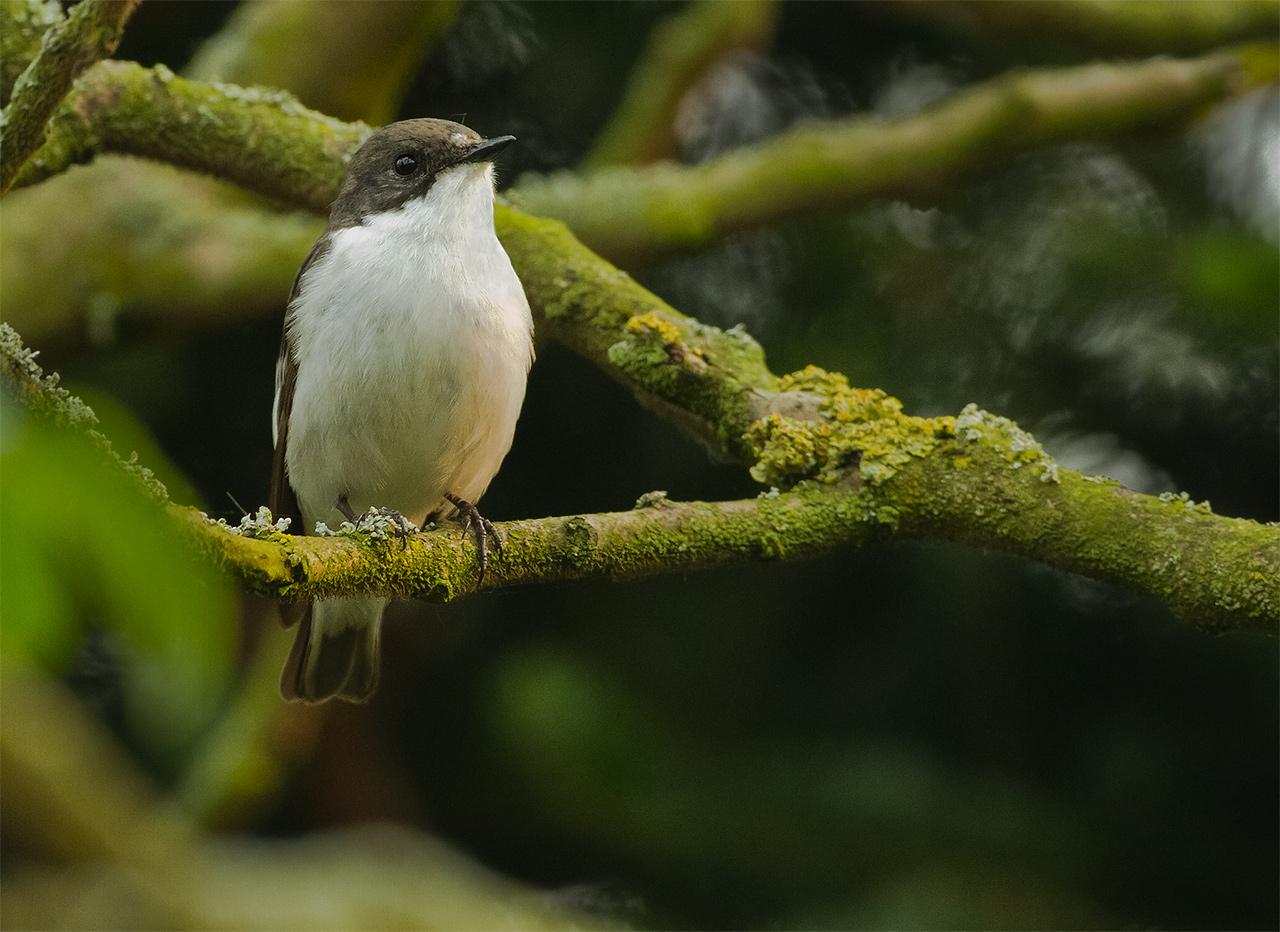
(480, 527)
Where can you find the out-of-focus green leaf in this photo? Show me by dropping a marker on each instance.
(82, 545)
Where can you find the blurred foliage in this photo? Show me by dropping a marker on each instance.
(86, 553)
(914, 736)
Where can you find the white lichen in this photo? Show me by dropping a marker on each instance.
(1187, 502)
(974, 423)
(376, 525)
(653, 499)
(261, 525)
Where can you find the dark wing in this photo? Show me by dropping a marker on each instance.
(282, 501)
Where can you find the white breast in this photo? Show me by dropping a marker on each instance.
(413, 339)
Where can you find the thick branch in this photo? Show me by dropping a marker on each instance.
(245, 135)
(680, 50)
(440, 565)
(633, 213)
(664, 537)
(91, 31)
(975, 478)
(297, 45)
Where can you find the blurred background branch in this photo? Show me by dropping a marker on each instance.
(680, 51)
(1118, 27)
(239, 259)
(295, 45)
(125, 858)
(628, 215)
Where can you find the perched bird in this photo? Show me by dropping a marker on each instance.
(407, 344)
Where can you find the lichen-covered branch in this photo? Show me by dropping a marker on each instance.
(974, 478)
(91, 31)
(680, 50)
(629, 213)
(657, 537)
(350, 58)
(245, 135)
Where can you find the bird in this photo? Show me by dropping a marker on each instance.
(403, 364)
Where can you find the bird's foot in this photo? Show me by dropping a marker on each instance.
(403, 527)
(480, 526)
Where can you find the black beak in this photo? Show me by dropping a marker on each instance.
(487, 150)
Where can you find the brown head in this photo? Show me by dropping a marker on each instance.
(401, 161)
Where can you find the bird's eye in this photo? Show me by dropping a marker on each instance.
(406, 164)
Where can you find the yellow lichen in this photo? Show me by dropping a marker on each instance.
(649, 323)
(863, 425)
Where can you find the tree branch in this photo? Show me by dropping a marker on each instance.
(236, 133)
(634, 213)
(976, 478)
(680, 50)
(91, 31)
(294, 45)
(23, 24)
(664, 204)
(1123, 27)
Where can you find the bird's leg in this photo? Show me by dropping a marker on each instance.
(403, 528)
(348, 512)
(480, 526)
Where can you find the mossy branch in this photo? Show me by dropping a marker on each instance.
(630, 213)
(657, 537)
(680, 50)
(23, 23)
(975, 478)
(91, 31)
(297, 45)
(246, 135)
(188, 226)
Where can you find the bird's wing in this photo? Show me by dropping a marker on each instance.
(282, 501)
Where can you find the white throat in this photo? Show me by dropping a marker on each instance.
(457, 207)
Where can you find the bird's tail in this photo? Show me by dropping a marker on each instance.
(335, 652)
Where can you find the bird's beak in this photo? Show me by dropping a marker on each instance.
(487, 149)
